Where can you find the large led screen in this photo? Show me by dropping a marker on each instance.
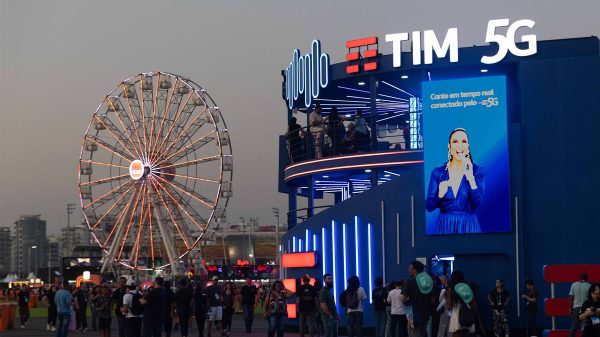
(466, 156)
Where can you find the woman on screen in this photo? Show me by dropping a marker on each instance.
(456, 188)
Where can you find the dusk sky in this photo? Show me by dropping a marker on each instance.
(58, 59)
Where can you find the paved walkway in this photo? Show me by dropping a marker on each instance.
(36, 327)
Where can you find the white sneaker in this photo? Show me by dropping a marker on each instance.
(22, 326)
(48, 326)
(52, 329)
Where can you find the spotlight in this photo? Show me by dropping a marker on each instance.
(404, 77)
(361, 83)
(484, 70)
(368, 171)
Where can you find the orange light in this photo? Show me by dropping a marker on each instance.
(370, 53)
(370, 66)
(352, 69)
(299, 260)
(352, 56)
(346, 167)
(290, 284)
(291, 309)
(312, 281)
(361, 42)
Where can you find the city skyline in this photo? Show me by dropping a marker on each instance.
(53, 74)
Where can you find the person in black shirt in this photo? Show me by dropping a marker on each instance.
(499, 299)
(215, 301)
(531, 304)
(307, 303)
(590, 312)
(379, 297)
(294, 135)
(200, 308)
(52, 314)
(183, 306)
(117, 302)
(23, 302)
(249, 299)
(421, 302)
(229, 299)
(170, 306)
(155, 307)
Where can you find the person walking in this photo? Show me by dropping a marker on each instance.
(398, 320)
(23, 303)
(63, 300)
(49, 300)
(93, 294)
(577, 295)
(499, 299)
(169, 309)
(81, 303)
(200, 308)
(307, 303)
(102, 305)
(355, 294)
(249, 301)
(215, 300)
(531, 304)
(418, 292)
(183, 306)
(133, 311)
(275, 309)
(329, 313)
(229, 299)
(379, 297)
(155, 309)
(117, 302)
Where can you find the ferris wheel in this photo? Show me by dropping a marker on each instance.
(155, 171)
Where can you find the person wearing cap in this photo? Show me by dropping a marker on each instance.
(307, 302)
(418, 292)
(462, 296)
(133, 322)
(499, 299)
(317, 130)
(249, 301)
(215, 301)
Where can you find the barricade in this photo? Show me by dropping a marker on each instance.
(559, 307)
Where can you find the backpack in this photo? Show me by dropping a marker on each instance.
(352, 298)
(136, 306)
(307, 298)
(466, 315)
(379, 295)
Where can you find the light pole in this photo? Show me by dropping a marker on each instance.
(276, 213)
(70, 208)
(29, 263)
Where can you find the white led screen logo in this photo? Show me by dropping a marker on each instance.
(306, 74)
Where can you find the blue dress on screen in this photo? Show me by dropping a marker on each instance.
(457, 210)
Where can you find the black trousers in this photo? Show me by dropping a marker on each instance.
(133, 326)
(184, 322)
(200, 320)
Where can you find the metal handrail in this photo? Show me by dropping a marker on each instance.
(294, 213)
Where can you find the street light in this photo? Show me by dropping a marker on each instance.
(29, 263)
(276, 213)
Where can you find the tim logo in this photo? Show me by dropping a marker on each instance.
(361, 52)
(136, 169)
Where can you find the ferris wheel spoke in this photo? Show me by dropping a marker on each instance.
(143, 112)
(111, 208)
(193, 146)
(184, 131)
(110, 130)
(203, 229)
(167, 239)
(173, 123)
(136, 246)
(103, 164)
(135, 206)
(192, 162)
(104, 181)
(190, 177)
(166, 109)
(204, 200)
(154, 109)
(115, 109)
(150, 231)
(110, 148)
(166, 206)
(107, 194)
(132, 117)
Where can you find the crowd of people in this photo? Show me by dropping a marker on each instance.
(423, 305)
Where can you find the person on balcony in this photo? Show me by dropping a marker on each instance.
(456, 188)
(361, 139)
(335, 131)
(317, 130)
(294, 135)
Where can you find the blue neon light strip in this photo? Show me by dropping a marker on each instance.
(308, 241)
(356, 249)
(300, 245)
(370, 262)
(314, 242)
(323, 249)
(345, 259)
(333, 249)
(293, 244)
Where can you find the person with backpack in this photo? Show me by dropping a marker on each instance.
(379, 297)
(464, 316)
(352, 299)
(133, 311)
(307, 302)
(418, 293)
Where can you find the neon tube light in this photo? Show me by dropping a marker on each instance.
(323, 249)
(314, 247)
(333, 248)
(353, 156)
(335, 168)
(300, 245)
(345, 258)
(370, 262)
(307, 241)
(356, 244)
(294, 244)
